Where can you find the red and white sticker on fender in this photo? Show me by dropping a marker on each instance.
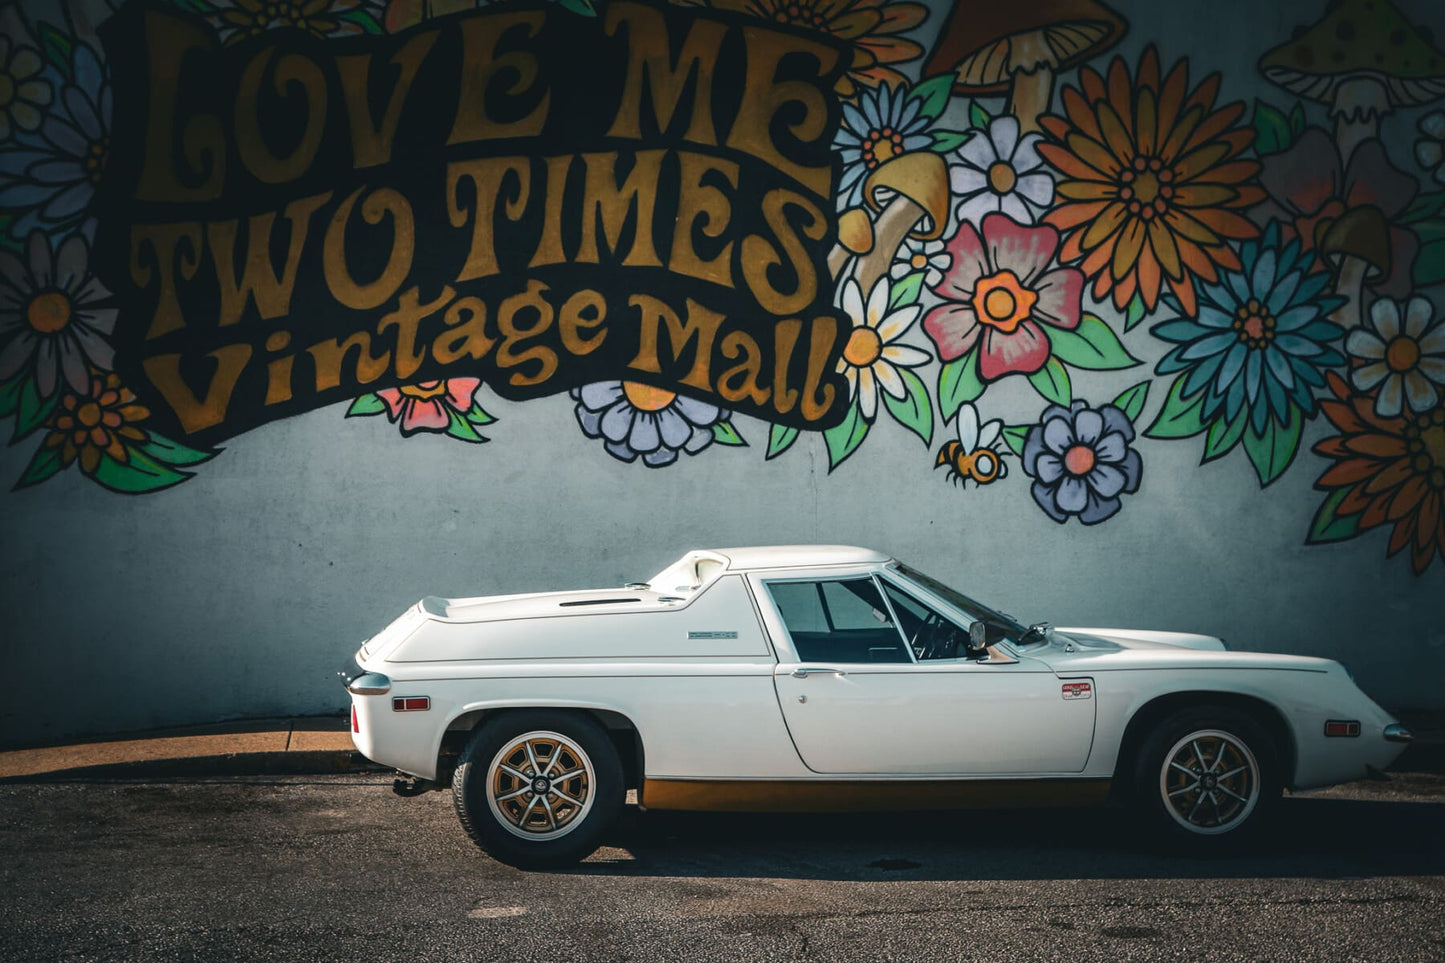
(1078, 690)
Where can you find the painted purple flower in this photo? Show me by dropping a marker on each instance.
(53, 316)
(47, 180)
(635, 419)
(1081, 462)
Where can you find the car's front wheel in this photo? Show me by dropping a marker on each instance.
(538, 788)
(1207, 777)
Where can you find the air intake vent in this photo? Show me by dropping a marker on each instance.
(567, 605)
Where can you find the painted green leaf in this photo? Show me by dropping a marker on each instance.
(32, 410)
(1430, 264)
(1131, 400)
(1135, 312)
(584, 7)
(978, 117)
(914, 412)
(1272, 452)
(1329, 526)
(1014, 436)
(368, 23)
(724, 433)
(1052, 381)
(947, 140)
(1179, 418)
(932, 95)
(843, 439)
(367, 404)
(168, 452)
(905, 292)
(1424, 206)
(958, 382)
(1297, 120)
(45, 463)
(57, 48)
(139, 473)
(780, 439)
(1093, 346)
(478, 415)
(1429, 230)
(194, 6)
(1272, 132)
(461, 429)
(10, 397)
(1223, 436)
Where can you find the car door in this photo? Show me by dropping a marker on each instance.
(857, 699)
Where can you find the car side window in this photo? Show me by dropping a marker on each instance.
(930, 634)
(838, 620)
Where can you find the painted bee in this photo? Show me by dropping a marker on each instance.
(976, 455)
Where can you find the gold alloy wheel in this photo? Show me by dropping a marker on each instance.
(1210, 782)
(540, 785)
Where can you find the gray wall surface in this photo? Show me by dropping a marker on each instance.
(238, 593)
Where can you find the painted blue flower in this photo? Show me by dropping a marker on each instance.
(48, 179)
(1081, 462)
(1262, 340)
(884, 124)
(635, 419)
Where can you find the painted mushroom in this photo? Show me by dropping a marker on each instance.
(1017, 48)
(910, 194)
(1359, 244)
(1362, 59)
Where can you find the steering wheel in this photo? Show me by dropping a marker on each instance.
(935, 641)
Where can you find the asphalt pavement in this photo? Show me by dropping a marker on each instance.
(337, 867)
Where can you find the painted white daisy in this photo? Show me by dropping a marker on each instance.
(1001, 172)
(916, 255)
(872, 357)
(1406, 361)
(54, 316)
(977, 455)
(1430, 149)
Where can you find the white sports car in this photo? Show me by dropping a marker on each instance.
(826, 678)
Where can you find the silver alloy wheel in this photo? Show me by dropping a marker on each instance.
(540, 785)
(1209, 782)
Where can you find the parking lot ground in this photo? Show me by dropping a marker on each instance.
(339, 868)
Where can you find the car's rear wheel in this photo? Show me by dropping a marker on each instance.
(538, 788)
(1208, 777)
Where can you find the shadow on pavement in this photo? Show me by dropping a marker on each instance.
(1310, 838)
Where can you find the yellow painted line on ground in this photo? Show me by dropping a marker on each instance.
(306, 736)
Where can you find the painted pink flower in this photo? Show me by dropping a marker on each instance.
(1003, 291)
(423, 406)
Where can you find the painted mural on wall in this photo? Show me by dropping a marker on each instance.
(718, 225)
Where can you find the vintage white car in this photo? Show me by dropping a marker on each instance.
(826, 678)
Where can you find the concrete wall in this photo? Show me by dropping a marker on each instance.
(239, 591)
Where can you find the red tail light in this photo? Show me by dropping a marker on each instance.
(1339, 728)
(355, 722)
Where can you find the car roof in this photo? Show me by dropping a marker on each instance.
(794, 556)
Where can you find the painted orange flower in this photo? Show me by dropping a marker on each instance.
(869, 26)
(240, 19)
(96, 423)
(1153, 180)
(1391, 470)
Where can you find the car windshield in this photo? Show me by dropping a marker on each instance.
(974, 610)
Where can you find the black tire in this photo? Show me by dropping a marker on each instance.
(564, 820)
(1207, 779)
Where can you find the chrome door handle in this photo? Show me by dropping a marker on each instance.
(803, 671)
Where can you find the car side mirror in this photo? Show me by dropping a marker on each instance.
(977, 638)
